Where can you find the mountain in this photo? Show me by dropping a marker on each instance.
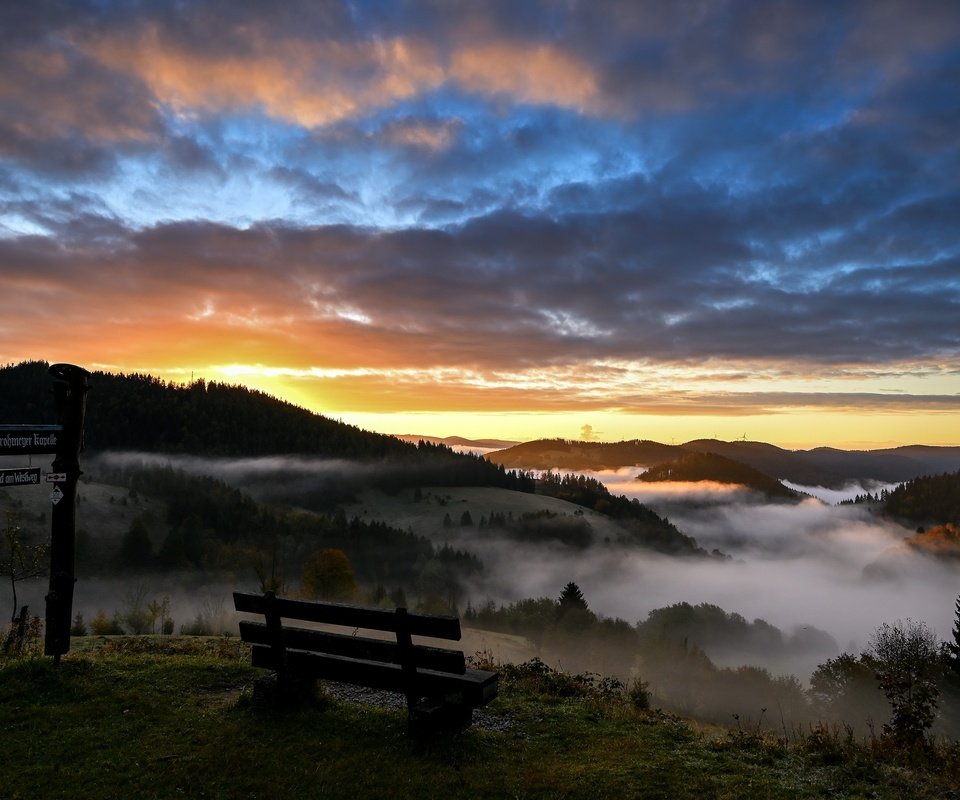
(822, 466)
(713, 467)
(545, 454)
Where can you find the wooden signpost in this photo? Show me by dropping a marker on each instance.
(70, 396)
(64, 441)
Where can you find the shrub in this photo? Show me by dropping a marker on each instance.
(638, 693)
(101, 625)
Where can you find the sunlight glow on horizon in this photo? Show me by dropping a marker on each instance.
(322, 391)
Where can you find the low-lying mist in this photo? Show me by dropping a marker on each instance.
(797, 566)
(792, 565)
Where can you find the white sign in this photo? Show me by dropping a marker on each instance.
(56, 495)
(56, 477)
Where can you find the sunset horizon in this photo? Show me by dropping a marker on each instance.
(589, 221)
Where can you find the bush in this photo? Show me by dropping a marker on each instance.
(101, 625)
(638, 693)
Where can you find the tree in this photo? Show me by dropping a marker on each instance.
(573, 615)
(844, 689)
(907, 661)
(102, 625)
(328, 574)
(952, 649)
(572, 598)
(466, 520)
(19, 559)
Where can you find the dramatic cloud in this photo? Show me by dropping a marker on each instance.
(433, 207)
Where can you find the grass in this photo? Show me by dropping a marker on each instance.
(164, 718)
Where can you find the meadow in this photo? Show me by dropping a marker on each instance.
(161, 717)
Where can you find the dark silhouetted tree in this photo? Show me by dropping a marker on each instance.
(572, 598)
(952, 648)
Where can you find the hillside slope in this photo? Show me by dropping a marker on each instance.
(712, 467)
(144, 414)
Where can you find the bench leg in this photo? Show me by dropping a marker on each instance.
(269, 692)
(438, 716)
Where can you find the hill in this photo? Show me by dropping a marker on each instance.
(712, 467)
(927, 500)
(826, 467)
(143, 413)
(563, 454)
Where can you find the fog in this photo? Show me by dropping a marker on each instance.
(792, 565)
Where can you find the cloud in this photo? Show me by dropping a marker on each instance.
(528, 74)
(479, 302)
(490, 199)
(309, 83)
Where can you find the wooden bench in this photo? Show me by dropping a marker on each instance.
(440, 689)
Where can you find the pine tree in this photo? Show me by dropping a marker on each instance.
(953, 648)
(571, 597)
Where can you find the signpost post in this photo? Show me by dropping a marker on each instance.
(70, 395)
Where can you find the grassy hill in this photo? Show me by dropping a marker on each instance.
(401, 511)
(161, 718)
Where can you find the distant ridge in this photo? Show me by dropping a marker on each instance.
(827, 467)
(458, 441)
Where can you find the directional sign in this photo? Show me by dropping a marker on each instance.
(56, 495)
(56, 477)
(25, 476)
(22, 440)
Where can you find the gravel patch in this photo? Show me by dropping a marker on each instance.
(482, 718)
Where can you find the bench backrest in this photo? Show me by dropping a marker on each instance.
(279, 637)
(436, 626)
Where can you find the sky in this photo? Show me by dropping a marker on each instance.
(609, 220)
